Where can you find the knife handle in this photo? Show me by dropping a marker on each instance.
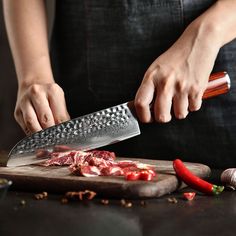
(219, 83)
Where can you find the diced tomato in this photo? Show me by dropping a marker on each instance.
(132, 175)
(189, 195)
(146, 175)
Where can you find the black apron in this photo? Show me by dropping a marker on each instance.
(100, 51)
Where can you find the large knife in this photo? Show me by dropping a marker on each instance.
(95, 130)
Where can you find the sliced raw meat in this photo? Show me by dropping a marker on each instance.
(112, 171)
(96, 163)
(85, 170)
(106, 155)
(59, 161)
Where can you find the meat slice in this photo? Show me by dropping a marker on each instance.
(84, 170)
(112, 171)
(58, 161)
(106, 155)
(92, 163)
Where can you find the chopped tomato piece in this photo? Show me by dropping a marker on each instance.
(146, 175)
(132, 175)
(189, 195)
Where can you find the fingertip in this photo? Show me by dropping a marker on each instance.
(195, 107)
(144, 115)
(142, 109)
(163, 118)
(61, 119)
(181, 115)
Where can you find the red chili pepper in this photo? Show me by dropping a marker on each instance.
(194, 181)
(143, 174)
(132, 175)
(146, 175)
(189, 195)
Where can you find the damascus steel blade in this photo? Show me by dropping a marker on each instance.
(87, 132)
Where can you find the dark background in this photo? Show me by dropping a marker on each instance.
(10, 132)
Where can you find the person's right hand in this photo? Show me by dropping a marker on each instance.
(40, 106)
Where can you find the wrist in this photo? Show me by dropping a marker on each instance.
(218, 23)
(208, 32)
(38, 72)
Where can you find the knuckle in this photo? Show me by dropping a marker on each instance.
(181, 86)
(29, 121)
(195, 90)
(55, 88)
(35, 89)
(17, 114)
(153, 70)
(165, 83)
(165, 87)
(139, 103)
(45, 119)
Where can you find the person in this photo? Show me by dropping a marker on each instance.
(103, 53)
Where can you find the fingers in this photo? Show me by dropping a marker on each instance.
(195, 100)
(27, 119)
(39, 107)
(143, 99)
(57, 104)
(180, 106)
(171, 93)
(180, 100)
(162, 107)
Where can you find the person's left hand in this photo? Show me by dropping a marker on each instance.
(178, 78)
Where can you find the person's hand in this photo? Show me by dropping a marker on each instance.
(40, 106)
(178, 78)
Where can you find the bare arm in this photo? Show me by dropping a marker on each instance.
(179, 76)
(40, 101)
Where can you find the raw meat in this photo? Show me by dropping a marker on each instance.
(91, 163)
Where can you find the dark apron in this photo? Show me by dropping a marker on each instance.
(100, 51)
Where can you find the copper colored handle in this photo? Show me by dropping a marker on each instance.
(219, 83)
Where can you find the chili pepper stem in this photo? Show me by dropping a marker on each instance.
(217, 189)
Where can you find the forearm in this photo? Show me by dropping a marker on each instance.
(27, 33)
(218, 23)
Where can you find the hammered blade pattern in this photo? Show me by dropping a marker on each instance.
(86, 132)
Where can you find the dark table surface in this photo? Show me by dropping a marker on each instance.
(205, 215)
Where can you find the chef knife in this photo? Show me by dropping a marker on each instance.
(95, 130)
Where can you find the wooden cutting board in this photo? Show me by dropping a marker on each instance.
(59, 179)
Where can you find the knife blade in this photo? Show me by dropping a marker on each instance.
(96, 129)
(87, 132)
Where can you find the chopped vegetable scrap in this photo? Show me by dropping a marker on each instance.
(189, 196)
(64, 200)
(172, 200)
(41, 196)
(22, 202)
(126, 203)
(105, 201)
(194, 181)
(81, 195)
(97, 163)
